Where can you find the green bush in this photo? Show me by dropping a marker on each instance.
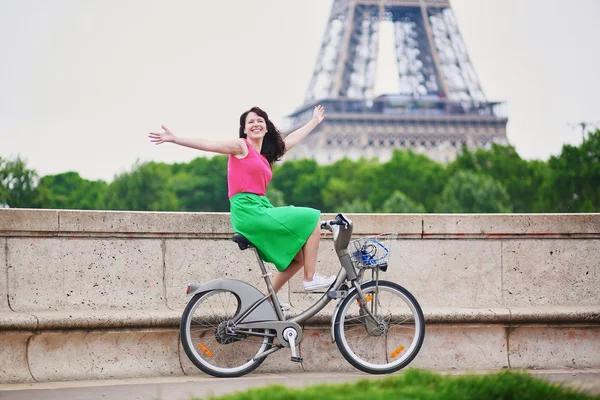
(418, 384)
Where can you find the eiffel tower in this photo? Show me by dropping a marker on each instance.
(439, 107)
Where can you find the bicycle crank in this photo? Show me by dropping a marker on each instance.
(290, 335)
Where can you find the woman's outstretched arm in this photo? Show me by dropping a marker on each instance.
(295, 137)
(234, 146)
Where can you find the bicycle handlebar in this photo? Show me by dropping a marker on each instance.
(325, 224)
(338, 220)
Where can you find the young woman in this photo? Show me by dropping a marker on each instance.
(285, 236)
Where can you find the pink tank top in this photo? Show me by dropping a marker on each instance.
(250, 174)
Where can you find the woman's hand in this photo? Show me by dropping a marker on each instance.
(319, 114)
(162, 137)
(299, 134)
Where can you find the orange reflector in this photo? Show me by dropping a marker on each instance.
(367, 299)
(205, 350)
(397, 351)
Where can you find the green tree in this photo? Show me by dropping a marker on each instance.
(275, 197)
(17, 183)
(201, 185)
(148, 187)
(493, 180)
(468, 192)
(287, 176)
(521, 178)
(573, 183)
(419, 177)
(398, 202)
(69, 191)
(308, 191)
(357, 206)
(345, 181)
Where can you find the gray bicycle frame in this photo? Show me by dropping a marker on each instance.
(256, 313)
(342, 235)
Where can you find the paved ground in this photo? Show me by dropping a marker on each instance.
(182, 388)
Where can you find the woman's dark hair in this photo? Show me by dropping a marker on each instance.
(273, 145)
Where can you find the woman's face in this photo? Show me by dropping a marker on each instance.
(256, 126)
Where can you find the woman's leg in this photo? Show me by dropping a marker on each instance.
(282, 277)
(310, 250)
(307, 257)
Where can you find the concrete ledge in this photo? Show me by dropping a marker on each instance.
(549, 347)
(504, 316)
(4, 307)
(106, 354)
(12, 321)
(88, 295)
(195, 224)
(80, 355)
(581, 314)
(34, 222)
(14, 367)
(514, 315)
(108, 319)
(125, 344)
(131, 319)
(506, 225)
(60, 320)
(19, 222)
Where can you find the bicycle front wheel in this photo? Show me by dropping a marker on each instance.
(210, 343)
(390, 341)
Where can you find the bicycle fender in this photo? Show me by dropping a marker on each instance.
(246, 293)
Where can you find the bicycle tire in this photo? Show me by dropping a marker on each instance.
(370, 348)
(212, 351)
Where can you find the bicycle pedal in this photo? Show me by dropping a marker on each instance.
(297, 359)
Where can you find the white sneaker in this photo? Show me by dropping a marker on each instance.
(318, 282)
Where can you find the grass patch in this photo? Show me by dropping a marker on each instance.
(418, 384)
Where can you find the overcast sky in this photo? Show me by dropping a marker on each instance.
(82, 82)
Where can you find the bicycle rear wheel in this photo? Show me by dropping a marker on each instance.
(390, 342)
(208, 342)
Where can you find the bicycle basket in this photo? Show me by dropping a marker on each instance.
(372, 251)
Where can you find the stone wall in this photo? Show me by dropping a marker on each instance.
(94, 294)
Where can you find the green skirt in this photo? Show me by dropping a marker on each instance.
(278, 233)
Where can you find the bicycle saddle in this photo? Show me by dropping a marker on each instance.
(242, 242)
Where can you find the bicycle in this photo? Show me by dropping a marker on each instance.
(229, 327)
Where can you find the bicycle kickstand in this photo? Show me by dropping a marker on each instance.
(290, 335)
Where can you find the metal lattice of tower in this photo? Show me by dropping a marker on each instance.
(438, 108)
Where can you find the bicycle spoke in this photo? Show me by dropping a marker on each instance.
(386, 343)
(209, 342)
